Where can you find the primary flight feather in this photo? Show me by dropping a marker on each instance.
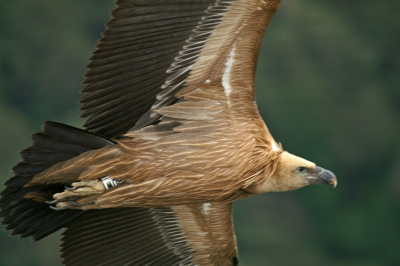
(173, 138)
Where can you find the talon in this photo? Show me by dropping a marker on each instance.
(70, 188)
(52, 202)
(55, 208)
(72, 200)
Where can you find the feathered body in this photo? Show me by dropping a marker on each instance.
(197, 161)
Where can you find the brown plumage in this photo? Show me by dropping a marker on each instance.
(172, 83)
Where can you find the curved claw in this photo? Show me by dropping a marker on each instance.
(52, 202)
(70, 188)
(72, 200)
(55, 208)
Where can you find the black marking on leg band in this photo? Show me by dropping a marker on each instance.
(110, 183)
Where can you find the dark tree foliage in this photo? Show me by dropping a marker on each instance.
(328, 86)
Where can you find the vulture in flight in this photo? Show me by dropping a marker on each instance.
(172, 138)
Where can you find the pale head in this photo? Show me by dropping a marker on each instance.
(292, 172)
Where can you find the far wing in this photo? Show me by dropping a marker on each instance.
(151, 50)
(208, 228)
(184, 235)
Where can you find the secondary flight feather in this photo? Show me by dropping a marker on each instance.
(173, 138)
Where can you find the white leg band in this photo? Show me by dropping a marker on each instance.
(110, 183)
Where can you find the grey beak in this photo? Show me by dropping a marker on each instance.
(325, 176)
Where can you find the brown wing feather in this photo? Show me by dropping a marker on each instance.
(140, 56)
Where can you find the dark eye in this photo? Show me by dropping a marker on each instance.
(301, 169)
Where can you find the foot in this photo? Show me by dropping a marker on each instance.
(69, 198)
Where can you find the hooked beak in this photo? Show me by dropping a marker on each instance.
(325, 176)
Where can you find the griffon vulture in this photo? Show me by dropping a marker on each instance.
(173, 138)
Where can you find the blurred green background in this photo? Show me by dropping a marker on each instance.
(328, 86)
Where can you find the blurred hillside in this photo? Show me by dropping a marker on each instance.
(328, 87)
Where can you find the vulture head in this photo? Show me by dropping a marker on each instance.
(293, 172)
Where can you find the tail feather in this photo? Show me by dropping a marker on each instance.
(23, 209)
(46, 143)
(75, 136)
(33, 156)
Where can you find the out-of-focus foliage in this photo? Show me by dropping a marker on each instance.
(328, 86)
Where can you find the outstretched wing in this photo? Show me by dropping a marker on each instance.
(198, 234)
(152, 50)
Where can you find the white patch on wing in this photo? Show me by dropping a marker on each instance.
(274, 146)
(207, 208)
(226, 77)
